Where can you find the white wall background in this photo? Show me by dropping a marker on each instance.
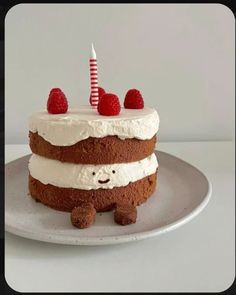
(180, 56)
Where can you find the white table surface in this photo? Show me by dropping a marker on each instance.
(196, 257)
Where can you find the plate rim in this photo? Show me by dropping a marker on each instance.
(115, 239)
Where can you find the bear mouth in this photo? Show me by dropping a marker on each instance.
(104, 181)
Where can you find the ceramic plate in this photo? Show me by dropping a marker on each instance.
(182, 193)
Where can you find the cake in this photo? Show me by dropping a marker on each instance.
(82, 157)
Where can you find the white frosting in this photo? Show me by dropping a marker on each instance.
(81, 176)
(78, 124)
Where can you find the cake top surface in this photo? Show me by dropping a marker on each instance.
(88, 113)
(83, 122)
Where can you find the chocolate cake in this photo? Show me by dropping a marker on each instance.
(82, 157)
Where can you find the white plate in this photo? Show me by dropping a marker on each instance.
(182, 193)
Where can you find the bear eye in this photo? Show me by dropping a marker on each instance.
(113, 171)
(93, 173)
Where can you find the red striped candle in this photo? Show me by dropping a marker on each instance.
(93, 77)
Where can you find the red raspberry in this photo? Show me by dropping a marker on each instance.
(101, 91)
(109, 105)
(133, 100)
(55, 90)
(57, 102)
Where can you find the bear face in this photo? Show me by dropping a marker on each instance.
(105, 180)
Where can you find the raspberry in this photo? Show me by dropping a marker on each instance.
(101, 91)
(57, 102)
(109, 105)
(55, 90)
(133, 100)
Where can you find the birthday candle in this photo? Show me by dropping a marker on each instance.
(93, 77)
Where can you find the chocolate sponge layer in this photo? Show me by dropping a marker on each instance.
(106, 150)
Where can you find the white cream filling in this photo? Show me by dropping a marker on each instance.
(79, 124)
(89, 177)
